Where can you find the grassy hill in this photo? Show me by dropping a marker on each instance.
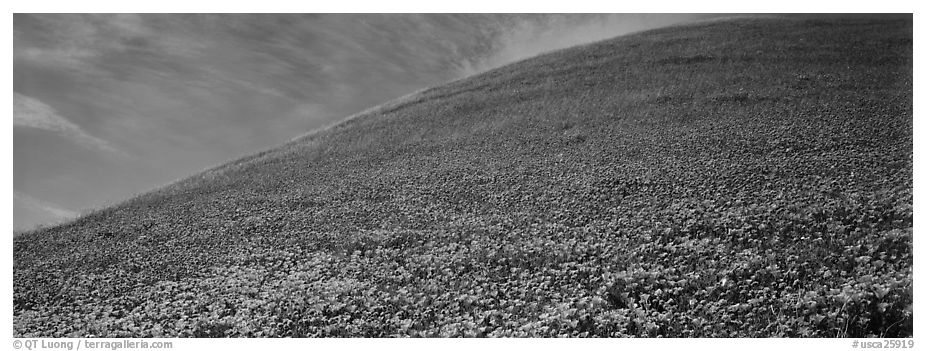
(748, 177)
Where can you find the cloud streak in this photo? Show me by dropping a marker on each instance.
(44, 206)
(33, 113)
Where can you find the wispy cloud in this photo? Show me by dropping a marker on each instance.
(33, 113)
(44, 206)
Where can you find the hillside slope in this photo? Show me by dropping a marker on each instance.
(746, 177)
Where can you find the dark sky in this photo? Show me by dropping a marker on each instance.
(110, 106)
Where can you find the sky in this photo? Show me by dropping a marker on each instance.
(109, 106)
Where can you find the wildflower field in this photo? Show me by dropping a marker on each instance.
(731, 178)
